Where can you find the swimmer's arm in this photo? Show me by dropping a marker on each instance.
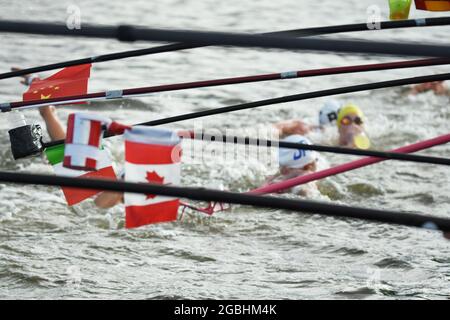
(271, 178)
(442, 91)
(292, 127)
(54, 126)
(106, 200)
(416, 89)
(438, 87)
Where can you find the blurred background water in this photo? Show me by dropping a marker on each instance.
(48, 250)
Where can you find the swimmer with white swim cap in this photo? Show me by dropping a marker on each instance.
(327, 116)
(329, 112)
(296, 162)
(295, 159)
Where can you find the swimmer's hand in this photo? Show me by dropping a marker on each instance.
(47, 111)
(26, 78)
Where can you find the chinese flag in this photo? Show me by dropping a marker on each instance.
(69, 81)
(433, 5)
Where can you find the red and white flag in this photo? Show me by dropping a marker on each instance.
(152, 156)
(83, 141)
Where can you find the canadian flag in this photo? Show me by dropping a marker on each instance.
(151, 156)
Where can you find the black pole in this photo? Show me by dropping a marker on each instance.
(201, 194)
(385, 25)
(304, 96)
(298, 97)
(201, 38)
(97, 59)
(140, 91)
(321, 148)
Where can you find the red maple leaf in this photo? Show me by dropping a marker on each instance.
(153, 177)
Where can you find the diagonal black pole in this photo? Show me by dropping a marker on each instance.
(304, 96)
(320, 148)
(202, 194)
(298, 97)
(385, 25)
(141, 91)
(202, 38)
(249, 141)
(97, 59)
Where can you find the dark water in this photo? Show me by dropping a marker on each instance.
(48, 250)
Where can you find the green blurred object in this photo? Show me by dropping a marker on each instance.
(55, 154)
(399, 9)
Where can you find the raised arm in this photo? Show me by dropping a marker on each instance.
(54, 126)
(290, 127)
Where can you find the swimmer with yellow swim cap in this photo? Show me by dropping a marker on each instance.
(349, 119)
(350, 123)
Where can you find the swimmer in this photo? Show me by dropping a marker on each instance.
(350, 123)
(294, 163)
(437, 87)
(327, 116)
(348, 118)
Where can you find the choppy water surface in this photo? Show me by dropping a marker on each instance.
(48, 250)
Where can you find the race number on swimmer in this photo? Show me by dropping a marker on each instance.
(300, 152)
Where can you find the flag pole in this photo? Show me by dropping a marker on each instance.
(314, 147)
(130, 33)
(284, 99)
(141, 91)
(305, 32)
(300, 206)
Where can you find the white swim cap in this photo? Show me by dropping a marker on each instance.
(296, 158)
(329, 112)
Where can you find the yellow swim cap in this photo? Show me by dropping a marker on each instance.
(349, 109)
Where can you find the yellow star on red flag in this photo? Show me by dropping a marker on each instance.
(71, 81)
